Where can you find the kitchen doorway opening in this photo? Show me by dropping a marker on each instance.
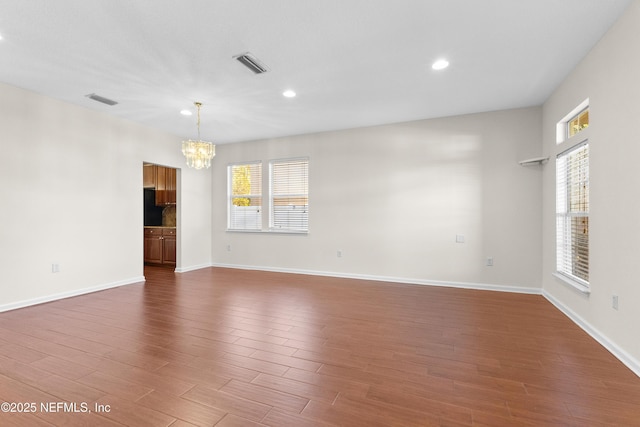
(161, 206)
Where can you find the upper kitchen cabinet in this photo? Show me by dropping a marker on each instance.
(165, 186)
(163, 179)
(149, 176)
(172, 185)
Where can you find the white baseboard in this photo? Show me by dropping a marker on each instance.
(69, 294)
(192, 268)
(628, 360)
(393, 279)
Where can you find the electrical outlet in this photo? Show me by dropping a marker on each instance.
(228, 248)
(614, 302)
(55, 268)
(490, 262)
(459, 238)
(339, 253)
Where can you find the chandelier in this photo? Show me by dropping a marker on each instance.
(198, 153)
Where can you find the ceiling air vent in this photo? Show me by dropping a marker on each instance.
(101, 99)
(252, 63)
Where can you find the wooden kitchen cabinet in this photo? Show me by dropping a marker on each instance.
(149, 176)
(171, 184)
(165, 186)
(169, 246)
(160, 245)
(153, 249)
(164, 180)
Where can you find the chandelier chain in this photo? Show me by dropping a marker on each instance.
(198, 104)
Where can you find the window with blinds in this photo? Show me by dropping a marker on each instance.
(245, 196)
(572, 213)
(289, 195)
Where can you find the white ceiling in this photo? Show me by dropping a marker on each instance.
(352, 62)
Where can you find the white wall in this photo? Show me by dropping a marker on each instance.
(608, 76)
(72, 194)
(393, 198)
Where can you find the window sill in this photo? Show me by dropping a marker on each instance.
(286, 231)
(584, 289)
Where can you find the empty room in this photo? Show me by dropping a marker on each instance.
(319, 213)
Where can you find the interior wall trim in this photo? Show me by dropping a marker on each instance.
(192, 268)
(624, 357)
(63, 295)
(393, 279)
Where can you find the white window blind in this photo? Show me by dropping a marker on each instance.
(572, 213)
(245, 196)
(289, 196)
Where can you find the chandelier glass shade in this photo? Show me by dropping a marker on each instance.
(198, 152)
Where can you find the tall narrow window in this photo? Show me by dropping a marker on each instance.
(572, 214)
(289, 196)
(245, 196)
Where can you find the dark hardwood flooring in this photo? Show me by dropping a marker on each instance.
(246, 348)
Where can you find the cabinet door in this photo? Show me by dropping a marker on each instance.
(161, 186)
(153, 245)
(170, 182)
(153, 249)
(169, 250)
(149, 176)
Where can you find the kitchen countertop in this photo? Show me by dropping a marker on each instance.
(159, 226)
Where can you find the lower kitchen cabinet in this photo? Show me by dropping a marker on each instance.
(160, 245)
(169, 246)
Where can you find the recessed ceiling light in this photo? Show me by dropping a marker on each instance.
(186, 112)
(440, 64)
(289, 94)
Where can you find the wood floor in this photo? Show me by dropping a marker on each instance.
(244, 348)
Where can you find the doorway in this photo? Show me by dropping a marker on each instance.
(160, 198)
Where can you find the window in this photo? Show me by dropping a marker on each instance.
(578, 122)
(572, 214)
(289, 195)
(245, 196)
